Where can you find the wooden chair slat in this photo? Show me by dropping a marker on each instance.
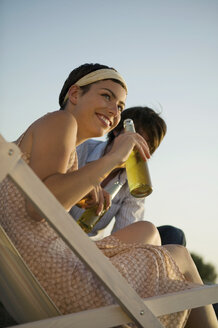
(110, 316)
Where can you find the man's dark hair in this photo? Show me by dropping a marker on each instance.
(145, 120)
(76, 75)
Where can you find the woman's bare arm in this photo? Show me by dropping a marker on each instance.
(54, 139)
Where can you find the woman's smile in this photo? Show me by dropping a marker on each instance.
(104, 120)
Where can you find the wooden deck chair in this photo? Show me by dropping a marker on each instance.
(20, 292)
(26, 290)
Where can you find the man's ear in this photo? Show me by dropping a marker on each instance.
(73, 94)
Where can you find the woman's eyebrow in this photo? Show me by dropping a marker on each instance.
(114, 96)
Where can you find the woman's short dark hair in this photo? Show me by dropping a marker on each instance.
(145, 120)
(76, 75)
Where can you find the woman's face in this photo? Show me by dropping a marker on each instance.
(98, 110)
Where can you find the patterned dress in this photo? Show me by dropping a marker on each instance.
(150, 270)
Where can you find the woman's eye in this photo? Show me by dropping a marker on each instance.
(108, 97)
(120, 108)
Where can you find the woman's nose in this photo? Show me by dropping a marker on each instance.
(114, 109)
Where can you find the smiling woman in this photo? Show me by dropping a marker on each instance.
(91, 101)
(102, 105)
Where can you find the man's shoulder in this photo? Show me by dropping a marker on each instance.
(89, 150)
(89, 145)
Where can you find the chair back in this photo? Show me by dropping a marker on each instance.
(20, 292)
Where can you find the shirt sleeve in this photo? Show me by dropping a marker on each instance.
(131, 210)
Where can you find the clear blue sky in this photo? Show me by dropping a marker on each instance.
(166, 50)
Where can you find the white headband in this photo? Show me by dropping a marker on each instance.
(100, 74)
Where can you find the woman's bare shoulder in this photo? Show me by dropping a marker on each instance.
(58, 117)
(60, 123)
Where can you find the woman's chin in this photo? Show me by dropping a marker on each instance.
(100, 133)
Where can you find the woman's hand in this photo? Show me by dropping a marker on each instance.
(97, 197)
(125, 143)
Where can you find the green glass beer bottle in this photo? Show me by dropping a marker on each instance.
(137, 171)
(89, 218)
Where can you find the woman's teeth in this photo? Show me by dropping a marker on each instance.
(105, 120)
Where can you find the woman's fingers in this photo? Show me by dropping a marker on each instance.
(100, 205)
(100, 198)
(126, 142)
(142, 147)
(92, 199)
(107, 199)
(104, 200)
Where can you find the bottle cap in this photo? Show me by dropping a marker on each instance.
(128, 125)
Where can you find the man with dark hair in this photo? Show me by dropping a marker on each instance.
(125, 208)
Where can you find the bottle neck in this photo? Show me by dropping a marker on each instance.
(114, 189)
(128, 125)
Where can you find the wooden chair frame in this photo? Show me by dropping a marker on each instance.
(130, 308)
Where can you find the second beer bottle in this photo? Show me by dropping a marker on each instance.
(89, 218)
